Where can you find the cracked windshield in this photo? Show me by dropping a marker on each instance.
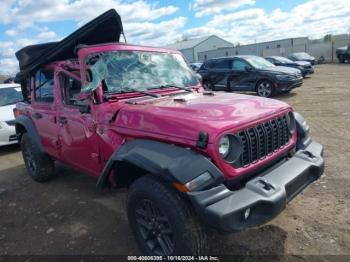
(128, 71)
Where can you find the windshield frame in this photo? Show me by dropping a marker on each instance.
(161, 60)
(85, 52)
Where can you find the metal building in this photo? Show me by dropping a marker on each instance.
(278, 47)
(190, 48)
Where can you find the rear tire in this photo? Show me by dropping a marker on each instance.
(40, 167)
(162, 222)
(265, 88)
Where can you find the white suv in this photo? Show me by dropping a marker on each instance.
(10, 94)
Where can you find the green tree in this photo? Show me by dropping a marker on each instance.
(327, 38)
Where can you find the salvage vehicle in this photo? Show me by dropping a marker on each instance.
(302, 56)
(343, 54)
(10, 94)
(249, 73)
(305, 67)
(136, 117)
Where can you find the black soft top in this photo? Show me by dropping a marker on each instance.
(105, 28)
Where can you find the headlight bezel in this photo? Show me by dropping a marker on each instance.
(283, 77)
(234, 150)
(291, 122)
(303, 129)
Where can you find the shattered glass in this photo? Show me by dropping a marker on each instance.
(122, 71)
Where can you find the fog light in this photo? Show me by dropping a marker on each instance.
(246, 213)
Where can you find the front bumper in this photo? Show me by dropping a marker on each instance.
(308, 71)
(266, 195)
(7, 135)
(288, 85)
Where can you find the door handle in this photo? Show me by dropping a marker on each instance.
(37, 115)
(62, 120)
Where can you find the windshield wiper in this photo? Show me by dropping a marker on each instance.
(178, 87)
(136, 91)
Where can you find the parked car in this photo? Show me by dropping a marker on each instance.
(10, 94)
(137, 117)
(195, 66)
(302, 56)
(343, 54)
(249, 73)
(305, 67)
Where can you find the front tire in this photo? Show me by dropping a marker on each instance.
(40, 167)
(162, 222)
(265, 88)
(286, 91)
(341, 59)
(208, 86)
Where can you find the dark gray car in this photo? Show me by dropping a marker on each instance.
(305, 67)
(343, 54)
(302, 56)
(249, 73)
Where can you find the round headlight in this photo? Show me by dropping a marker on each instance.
(230, 148)
(224, 146)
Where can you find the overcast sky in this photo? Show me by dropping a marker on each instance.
(161, 22)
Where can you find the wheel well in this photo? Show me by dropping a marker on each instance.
(20, 130)
(126, 173)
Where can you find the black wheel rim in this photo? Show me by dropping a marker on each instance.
(264, 89)
(206, 86)
(29, 159)
(154, 228)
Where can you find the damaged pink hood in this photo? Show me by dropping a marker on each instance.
(184, 116)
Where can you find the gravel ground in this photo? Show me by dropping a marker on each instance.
(68, 216)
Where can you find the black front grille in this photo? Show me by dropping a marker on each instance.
(10, 123)
(263, 140)
(12, 138)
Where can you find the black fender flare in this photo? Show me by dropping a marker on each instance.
(29, 126)
(303, 131)
(172, 163)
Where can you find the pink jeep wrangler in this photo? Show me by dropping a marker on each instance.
(137, 117)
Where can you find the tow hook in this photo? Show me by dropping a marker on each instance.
(309, 154)
(266, 185)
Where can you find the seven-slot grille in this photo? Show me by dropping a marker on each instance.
(263, 139)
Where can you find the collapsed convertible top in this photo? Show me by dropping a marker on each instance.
(103, 29)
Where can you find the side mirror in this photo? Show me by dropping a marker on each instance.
(248, 68)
